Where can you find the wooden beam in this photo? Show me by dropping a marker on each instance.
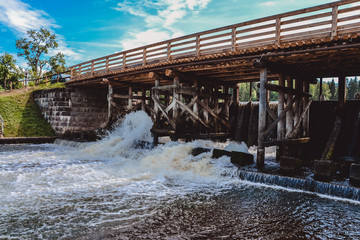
(213, 113)
(273, 124)
(161, 108)
(278, 88)
(298, 124)
(193, 114)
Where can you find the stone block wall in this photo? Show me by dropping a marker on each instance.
(74, 112)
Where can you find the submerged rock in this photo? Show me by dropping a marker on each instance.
(199, 150)
(355, 174)
(290, 164)
(241, 158)
(325, 170)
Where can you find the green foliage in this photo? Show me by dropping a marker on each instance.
(315, 91)
(244, 92)
(34, 47)
(352, 87)
(57, 63)
(31, 84)
(9, 72)
(333, 90)
(22, 116)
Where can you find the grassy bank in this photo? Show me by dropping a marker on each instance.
(21, 114)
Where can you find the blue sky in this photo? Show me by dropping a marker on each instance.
(91, 29)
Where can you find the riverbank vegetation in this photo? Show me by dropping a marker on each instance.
(22, 116)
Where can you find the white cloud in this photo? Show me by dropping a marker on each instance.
(159, 16)
(269, 3)
(137, 39)
(21, 17)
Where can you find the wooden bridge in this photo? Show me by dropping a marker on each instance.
(187, 84)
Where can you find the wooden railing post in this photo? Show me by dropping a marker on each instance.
(124, 61)
(107, 65)
(144, 56)
(71, 73)
(198, 45)
(334, 21)
(80, 71)
(168, 51)
(233, 39)
(92, 69)
(278, 31)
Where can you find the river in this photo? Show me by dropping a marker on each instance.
(111, 190)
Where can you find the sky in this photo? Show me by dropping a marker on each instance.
(87, 29)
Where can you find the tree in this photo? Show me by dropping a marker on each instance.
(352, 88)
(34, 47)
(9, 72)
(57, 63)
(333, 92)
(315, 91)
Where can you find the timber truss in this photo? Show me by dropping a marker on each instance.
(182, 107)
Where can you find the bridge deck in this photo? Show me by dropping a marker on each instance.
(317, 42)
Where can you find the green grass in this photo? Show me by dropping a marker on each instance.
(22, 116)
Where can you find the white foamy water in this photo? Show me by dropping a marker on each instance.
(101, 182)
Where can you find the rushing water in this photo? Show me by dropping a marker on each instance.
(110, 189)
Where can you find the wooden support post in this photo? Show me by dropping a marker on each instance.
(109, 98)
(306, 88)
(156, 108)
(321, 98)
(143, 95)
(130, 103)
(298, 87)
(289, 113)
(176, 97)
(196, 97)
(226, 103)
(342, 91)
(206, 103)
(250, 91)
(216, 108)
(236, 93)
(262, 119)
(281, 123)
(281, 102)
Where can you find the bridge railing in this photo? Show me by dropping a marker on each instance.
(327, 20)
